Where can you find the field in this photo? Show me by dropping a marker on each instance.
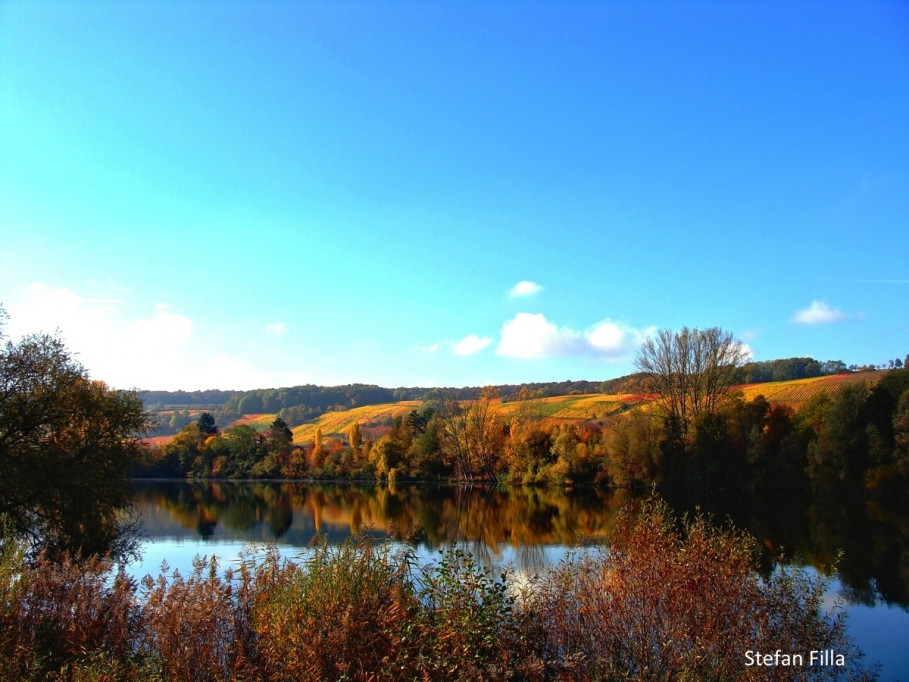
(569, 408)
(260, 422)
(335, 424)
(795, 393)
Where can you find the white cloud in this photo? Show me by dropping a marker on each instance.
(155, 351)
(524, 288)
(164, 330)
(276, 328)
(532, 336)
(471, 344)
(818, 313)
(748, 352)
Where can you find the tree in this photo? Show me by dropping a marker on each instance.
(207, 424)
(66, 444)
(354, 437)
(691, 371)
(473, 435)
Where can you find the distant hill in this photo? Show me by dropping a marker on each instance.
(305, 406)
(794, 393)
(574, 408)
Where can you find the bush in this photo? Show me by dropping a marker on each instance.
(668, 599)
(679, 600)
(339, 615)
(468, 625)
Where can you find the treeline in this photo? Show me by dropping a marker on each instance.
(858, 437)
(163, 399)
(300, 404)
(789, 370)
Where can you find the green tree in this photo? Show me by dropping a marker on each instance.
(66, 444)
(207, 424)
(279, 437)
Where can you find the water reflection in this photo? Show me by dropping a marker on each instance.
(524, 522)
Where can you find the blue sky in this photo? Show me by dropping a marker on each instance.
(238, 194)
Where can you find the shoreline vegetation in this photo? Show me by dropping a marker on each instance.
(666, 598)
(849, 432)
(669, 599)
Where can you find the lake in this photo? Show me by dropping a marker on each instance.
(530, 529)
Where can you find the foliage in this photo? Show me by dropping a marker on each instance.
(66, 444)
(666, 600)
(341, 614)
(673, 600)
(787, 370)
(469, 624)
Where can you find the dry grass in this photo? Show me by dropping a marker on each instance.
(667, 601)
(336, 424)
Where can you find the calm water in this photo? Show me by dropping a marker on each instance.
(531, 529)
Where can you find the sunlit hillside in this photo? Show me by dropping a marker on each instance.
(794, 393)
(566, 408)
(335, 424)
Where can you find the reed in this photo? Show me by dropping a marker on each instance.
(669, 599)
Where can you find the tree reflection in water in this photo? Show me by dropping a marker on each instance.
(533, 526)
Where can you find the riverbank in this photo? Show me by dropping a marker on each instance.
(667, 600)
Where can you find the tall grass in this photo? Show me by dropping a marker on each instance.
(681, 601)
(668, 600)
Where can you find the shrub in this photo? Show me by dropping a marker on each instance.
(679, 600)
(667, 599)
(53, 612)
(468, 626)
(339, 615)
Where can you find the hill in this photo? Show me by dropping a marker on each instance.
(308, 408)
(571, 408)
(795, 392)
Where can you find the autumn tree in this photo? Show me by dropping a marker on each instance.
(355, 438)
(473, 437)
(690, 372)
(317, 457)
(66, 444)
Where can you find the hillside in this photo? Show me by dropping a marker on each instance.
(568, 408)
(335, 422)
(795, 392)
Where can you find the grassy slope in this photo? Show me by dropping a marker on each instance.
(563, 408)
(335, 424)
(796, 392)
